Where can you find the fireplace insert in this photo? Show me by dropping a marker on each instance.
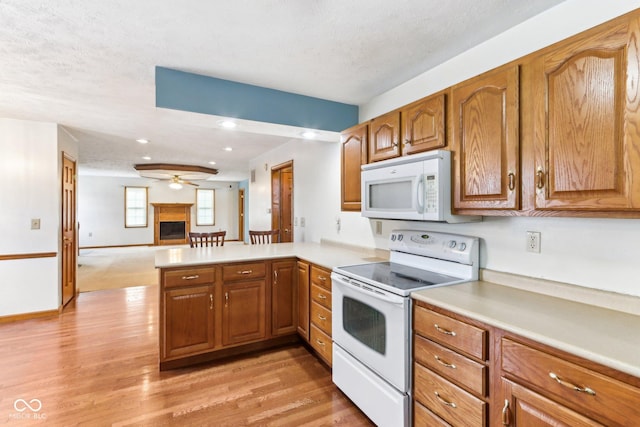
(172, 230)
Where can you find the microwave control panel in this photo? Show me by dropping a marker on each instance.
(431, 193)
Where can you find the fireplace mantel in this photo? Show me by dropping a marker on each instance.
(171, 212)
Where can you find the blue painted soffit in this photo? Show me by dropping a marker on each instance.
(179, 90)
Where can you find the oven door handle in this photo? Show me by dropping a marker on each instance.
(366, 290)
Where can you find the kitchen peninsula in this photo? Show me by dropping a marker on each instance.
(221, 301)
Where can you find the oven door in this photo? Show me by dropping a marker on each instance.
(373, 326)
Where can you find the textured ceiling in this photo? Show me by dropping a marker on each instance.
(89, 65)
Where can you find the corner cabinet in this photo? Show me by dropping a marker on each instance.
(486, 141)
(586, 121)
(353, 146)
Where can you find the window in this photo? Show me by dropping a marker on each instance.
(135, 207)
(205, 206)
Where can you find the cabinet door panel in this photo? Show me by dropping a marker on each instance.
(354, 155)
(188, 321)
(423, 125)
(243, 314)
(587, 140)
(384, 135)
(284, 298)
(486, 142)
(303, 299)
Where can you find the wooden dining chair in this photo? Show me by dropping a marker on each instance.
(263, 237)
(215, 238)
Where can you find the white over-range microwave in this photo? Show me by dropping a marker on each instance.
(415, 187)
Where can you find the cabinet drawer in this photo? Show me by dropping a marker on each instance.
(424, 417)
(188, 277)
(321, 277)
(321, 296)
(321, 343)
(457, 368)
(243, 271)
(321, 317)
(451, 332)
(447, 400)
(613, 401)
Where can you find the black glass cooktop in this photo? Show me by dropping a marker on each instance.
(395, 275)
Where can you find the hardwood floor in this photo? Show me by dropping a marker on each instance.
(97, 364)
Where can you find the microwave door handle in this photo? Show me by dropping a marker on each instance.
(420, 194)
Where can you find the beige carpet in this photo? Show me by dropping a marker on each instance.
(109, 268)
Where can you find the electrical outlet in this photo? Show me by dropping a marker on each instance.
(378, 227)
(35, 224)
(302, 221)
(533, 241)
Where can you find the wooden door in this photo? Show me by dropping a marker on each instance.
(525, 408)
(243, 313)
(587, 143)
(303, 299)
(282, 200)
(423, 125)
(284, 298)
(384, 137)
(69, 253)
(486, 142)
(189, 321)
(353, 155)
(241, 214)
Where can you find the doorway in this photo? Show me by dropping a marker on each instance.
(69, 253)
(282, 200)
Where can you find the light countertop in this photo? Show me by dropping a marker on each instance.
(325, 255)
(602, 335)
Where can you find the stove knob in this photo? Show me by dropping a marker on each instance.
(462, 246)
(400, 237)
(393, 237)
(452, 244)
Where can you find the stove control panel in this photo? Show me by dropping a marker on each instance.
(446, 246)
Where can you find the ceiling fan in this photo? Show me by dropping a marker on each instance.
(177, 175)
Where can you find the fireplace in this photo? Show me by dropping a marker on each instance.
(171, 230)
(172, 223)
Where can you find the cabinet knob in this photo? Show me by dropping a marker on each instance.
(506, 413)
(407, 141)
(226, 299)
(540, 178)
(210, 301)
(512, 181)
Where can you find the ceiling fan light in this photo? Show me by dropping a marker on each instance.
(175, 185)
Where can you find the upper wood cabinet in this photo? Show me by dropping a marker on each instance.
(423, 125)
(354, 155)
(585, 121)
(485, 141)
(384, 137)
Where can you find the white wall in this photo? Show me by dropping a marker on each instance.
(101, 209)
(595, 253)
(29, 161)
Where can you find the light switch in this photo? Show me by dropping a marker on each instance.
(35, 224)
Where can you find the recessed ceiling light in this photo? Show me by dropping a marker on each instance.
(309, 134)
(146, 158)
(228, 124)
(142, 141)
(212, 163)
(228, 149)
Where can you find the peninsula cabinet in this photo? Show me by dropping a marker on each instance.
(353, 146)
(586, 120)
(244, 304)
(486, 141)
(187, 321)
(284, 298)
(303, 299)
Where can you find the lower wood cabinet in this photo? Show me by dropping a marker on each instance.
(303, 299)
(243, 313)
(284, 298)
(470, 373)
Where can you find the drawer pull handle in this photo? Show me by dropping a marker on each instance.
(322, 296)
(195, 276)
(444, 331)
(445, 402)
(320, 342)
(245, 272)
(573, 386)
(445, 364)
(505, 413)
(322, 278)
(226, 299)
(322, 318)
(210, 301)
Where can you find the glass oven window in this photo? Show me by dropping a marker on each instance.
(364, 323)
